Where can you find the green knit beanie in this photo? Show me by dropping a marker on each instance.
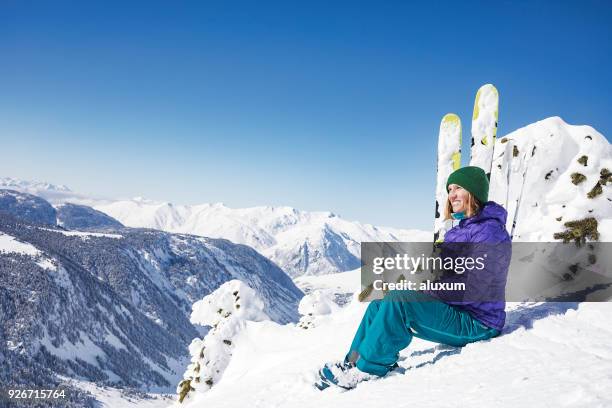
(473, 179)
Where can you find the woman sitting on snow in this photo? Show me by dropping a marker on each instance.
(388, 325)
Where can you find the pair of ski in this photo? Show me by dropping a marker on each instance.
(484, 131)
(504, 163)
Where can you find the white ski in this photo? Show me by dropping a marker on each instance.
(484, 127)
(449, 160)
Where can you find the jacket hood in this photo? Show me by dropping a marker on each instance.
(490, 210)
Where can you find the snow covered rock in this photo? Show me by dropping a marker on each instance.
(549, 174)
(226, 311)
(233, 298)
(317, 303)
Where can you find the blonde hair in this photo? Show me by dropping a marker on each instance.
(473, 205)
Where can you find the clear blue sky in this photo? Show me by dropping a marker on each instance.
(320, 105)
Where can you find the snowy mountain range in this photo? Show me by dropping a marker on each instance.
(300, 242)
(111, 305)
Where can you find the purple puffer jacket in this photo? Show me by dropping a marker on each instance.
(484, 297)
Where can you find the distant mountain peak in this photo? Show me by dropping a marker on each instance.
(18, 184)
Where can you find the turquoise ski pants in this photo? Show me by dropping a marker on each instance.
(388, 326)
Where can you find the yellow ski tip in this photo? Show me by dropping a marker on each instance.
(451, 118)
(490, 87)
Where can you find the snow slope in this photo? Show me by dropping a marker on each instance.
(550, 354)
(10, 245)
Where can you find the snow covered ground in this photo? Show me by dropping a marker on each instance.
(550, 354)
(9, 244)
(83, 235)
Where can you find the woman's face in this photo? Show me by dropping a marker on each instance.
(458, 197)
